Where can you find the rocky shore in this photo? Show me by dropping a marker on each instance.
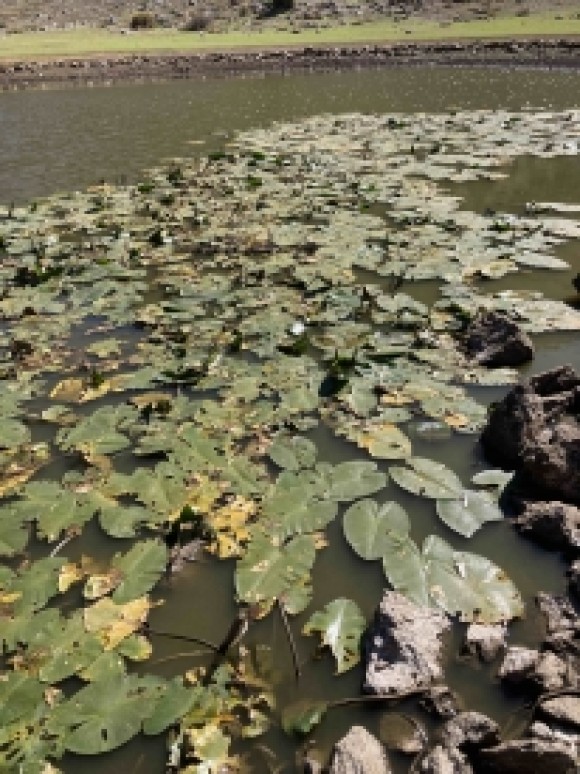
(106, 69)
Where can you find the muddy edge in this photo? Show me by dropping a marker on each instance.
(105, 69)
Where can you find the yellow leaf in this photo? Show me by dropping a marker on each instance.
(69, 574)
(112, 623)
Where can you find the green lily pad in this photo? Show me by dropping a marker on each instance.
(340, 625)
(368, 526)
(427, 478)
(470, 512)
(292, 452)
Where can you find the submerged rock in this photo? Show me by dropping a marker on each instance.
(553, 524)
(528, 756)
(359, 752)
(535, 429)
(485, 640)
(493, 339)
(403, 647)
(574, 578)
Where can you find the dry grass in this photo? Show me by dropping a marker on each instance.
(86, 42)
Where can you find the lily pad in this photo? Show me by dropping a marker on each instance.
(427, 478)
(470, 512)
(340, 625)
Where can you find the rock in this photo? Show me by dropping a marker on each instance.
(493, 339)
(519, 664)
(485, 640)
(441, 760)
(440, 701)
(470, 731)
(359, 753)
(535, 430)
(561, 618)
(574, 579)
(553, 524)
(528, 756)
(563, 709)
(551, 672)
(402, 648)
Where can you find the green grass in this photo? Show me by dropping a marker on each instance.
(87, 42)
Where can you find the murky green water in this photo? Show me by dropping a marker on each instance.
(64, 139)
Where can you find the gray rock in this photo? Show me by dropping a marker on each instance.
(551, 672)
(440, 701)
(493, 339)
(402, 648)
(574, 579)
(519, 664)
(470, 731)
(485, 640)
(528, 756)
(553, 524)
(535, 430)
(563, 709)
(441, 760)
(561, 618)
(359, 753)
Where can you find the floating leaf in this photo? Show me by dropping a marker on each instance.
(302, 716)
(139, 570)
(427, 478)
(341, 625)
(292, 452)
(470, 512)
(367, 526)
(469, 585)
(268, 572)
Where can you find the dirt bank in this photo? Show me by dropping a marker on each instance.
(104, 69)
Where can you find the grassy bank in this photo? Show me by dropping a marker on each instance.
(93, 41)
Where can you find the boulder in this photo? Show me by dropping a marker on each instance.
(441, 760)
(574, 579)
(562, 709)
(402, 648)
(528, 756)
(485, 640)
(562, 621)
(519, 665)
(470, 731)
(535, 430)
(493, 339)
(359, 753)
(552, 524)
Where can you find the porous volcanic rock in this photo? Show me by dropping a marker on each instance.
(553, 524)
(493, 339)
(441, 702)
(441, 760)
(535, 429)
(402, 647)
(359, 752)
(519, 664)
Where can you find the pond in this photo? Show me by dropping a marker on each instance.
(61, 140)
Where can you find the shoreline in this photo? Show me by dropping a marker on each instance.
(107, 69)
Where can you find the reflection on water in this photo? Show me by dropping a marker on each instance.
(66, 139)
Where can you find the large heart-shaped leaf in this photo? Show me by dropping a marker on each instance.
(367, 526)
(469, 585)
(267, 572)
(427, 478)
(292, 452)
(469, 512)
